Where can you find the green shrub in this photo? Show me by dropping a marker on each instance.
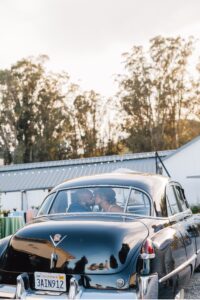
(195, 209)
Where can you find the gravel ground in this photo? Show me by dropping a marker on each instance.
(192, 290)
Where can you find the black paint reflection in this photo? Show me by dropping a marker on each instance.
(79, 268)
(123, 253)
(80, 265)
(113, 262)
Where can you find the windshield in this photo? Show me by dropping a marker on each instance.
(107, 199)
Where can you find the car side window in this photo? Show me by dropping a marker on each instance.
(173, 206)
(181, 197)
(46, 204)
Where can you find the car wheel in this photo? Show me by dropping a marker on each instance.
(180, 294)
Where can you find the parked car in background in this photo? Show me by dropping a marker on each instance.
(117, 235)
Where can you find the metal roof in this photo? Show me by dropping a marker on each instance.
(45, 175)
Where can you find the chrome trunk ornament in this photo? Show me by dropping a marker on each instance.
(57, 239)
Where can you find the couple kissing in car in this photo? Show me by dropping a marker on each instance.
(84, 199)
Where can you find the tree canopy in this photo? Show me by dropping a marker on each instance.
(155, 95)
(45, 116)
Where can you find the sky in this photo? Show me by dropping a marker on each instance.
(86, 38)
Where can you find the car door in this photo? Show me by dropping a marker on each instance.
(175, 217)
(179, 213)
(196, 223)
(191, 222)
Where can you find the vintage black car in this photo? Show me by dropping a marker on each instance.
(110, 236)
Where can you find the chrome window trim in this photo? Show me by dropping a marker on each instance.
(126, 204)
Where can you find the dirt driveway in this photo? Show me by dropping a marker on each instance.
(192, 291)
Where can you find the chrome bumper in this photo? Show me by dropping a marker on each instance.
(148, 289)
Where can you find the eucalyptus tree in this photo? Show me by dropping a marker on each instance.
(172, 87)
(135, 94)
(32, 112)
(87, 119)
(154, 93)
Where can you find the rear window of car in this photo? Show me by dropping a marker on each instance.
(108, 199)
(138, 203)
(46, 204)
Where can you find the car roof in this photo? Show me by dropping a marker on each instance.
(145, 181)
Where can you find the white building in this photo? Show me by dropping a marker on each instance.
(184, 166)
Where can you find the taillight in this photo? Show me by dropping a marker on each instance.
(146, 254)
(147, 250)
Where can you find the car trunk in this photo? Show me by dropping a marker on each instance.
(85, 246)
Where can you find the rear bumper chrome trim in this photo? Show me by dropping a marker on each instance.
(7, 291)
(147, 288)
(10, 293)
